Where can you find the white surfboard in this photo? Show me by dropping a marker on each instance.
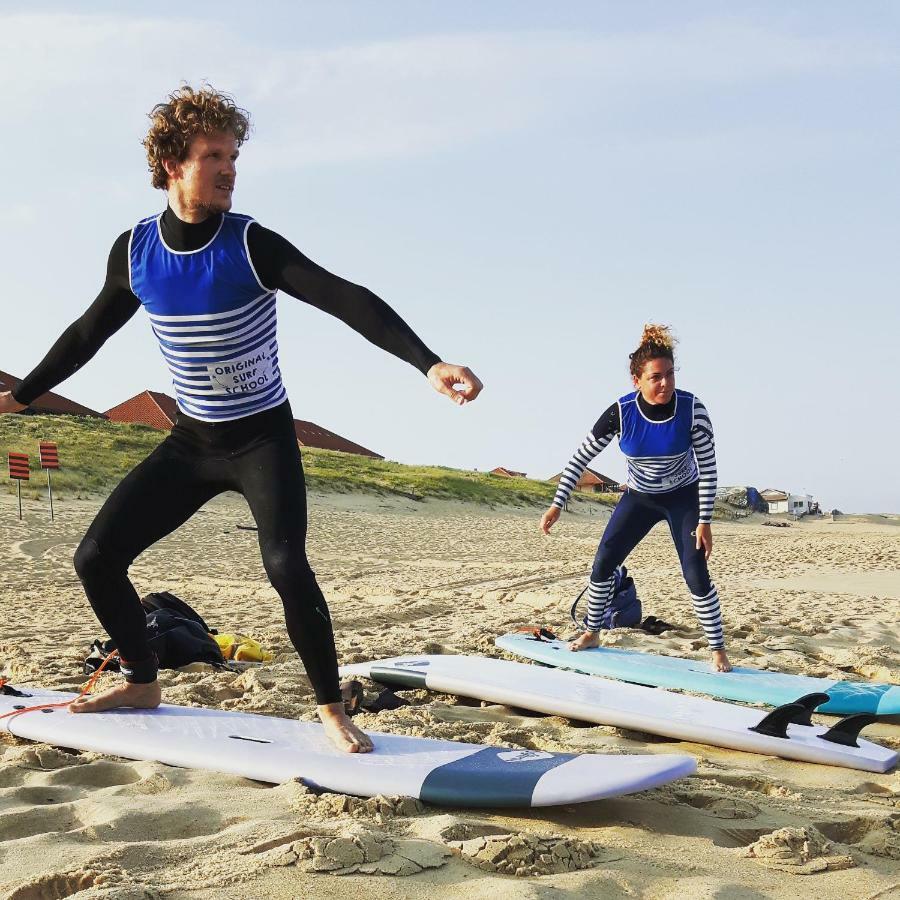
(275, 750)
(593, 699)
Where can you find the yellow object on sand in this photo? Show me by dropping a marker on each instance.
(241, 648)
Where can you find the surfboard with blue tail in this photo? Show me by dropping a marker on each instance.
(266, 748)
(742, 683)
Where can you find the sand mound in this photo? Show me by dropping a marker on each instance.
(801, 851)
(365, 851)
(318, 805)
(519, 853)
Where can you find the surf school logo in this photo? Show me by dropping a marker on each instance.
(412, 663)
(514, 756)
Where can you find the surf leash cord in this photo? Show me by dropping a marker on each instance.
(84, 692)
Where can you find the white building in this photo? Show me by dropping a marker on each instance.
(784, 502)
(800, 504)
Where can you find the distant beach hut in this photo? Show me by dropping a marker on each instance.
(785, 502)
(777, 501)
(593, 483)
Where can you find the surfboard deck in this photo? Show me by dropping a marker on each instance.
(275, 750)
(593, 699)
(742, 683)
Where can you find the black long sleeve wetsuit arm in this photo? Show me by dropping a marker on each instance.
(281, 266)
(113, 307)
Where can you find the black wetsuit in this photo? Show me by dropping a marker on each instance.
(257, 455)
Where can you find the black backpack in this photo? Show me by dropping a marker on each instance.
(176, 633)
(177, 641)
(165, 600)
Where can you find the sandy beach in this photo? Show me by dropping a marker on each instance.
(819, 598)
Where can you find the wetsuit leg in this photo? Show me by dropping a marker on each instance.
(629, 524)
(157, 496)
(271, 478)
(682, 513)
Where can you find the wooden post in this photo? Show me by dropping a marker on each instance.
(19, 472)
(49, 460)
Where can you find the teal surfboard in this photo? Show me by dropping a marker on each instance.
(742, 683)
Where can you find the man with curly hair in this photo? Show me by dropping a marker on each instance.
(207, 278)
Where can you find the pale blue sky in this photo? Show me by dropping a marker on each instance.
(527, 186)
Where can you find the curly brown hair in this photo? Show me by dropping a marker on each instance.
(657, 342)
(187, 113)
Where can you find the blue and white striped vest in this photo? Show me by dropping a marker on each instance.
(214, 320)
(660, 454)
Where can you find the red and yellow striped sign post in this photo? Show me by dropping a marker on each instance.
(19, 472)
(49, 460)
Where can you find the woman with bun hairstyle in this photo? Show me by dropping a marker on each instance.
(667, 438)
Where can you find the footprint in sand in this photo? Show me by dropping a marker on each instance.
(39, 795)
(12, 776)
(36, 548)
(58, 886)
(719, 806)
(99, 773)
(871, 787)
(42, 757)
(879, 836)
(39, 820)
(757, 784)
(174, 823)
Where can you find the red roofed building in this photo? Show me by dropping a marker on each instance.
(49, 404)
(311, 435)
(160, 410)
(148, 408)
(594, 483)
(507, 473)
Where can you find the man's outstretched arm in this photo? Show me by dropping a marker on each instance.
(281, 266)
(114, 306)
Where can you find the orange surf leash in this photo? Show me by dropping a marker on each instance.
(84, 691)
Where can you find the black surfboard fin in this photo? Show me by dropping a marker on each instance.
(776, 722)
(847, 730)
(809, 702)
(10, 691)
(542, 635)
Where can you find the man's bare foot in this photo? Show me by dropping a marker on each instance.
(341, 731)
(137, 696)
(586, 640)
(720, 661)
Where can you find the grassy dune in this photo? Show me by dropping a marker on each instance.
(95, 455)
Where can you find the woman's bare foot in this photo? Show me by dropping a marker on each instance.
(586, 640)
(341, 731)
(720, 661)
(137, 696)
